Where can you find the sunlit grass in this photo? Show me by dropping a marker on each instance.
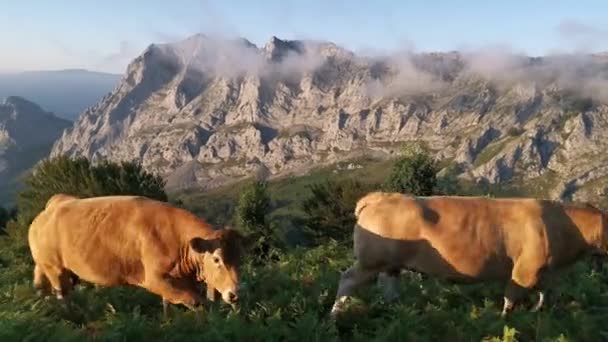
(291, 299)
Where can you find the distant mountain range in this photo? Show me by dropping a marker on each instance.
(27, 133)
(66, 93)
(205, 112)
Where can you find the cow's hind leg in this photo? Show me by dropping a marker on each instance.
(41, 282)
(60, 280)
(350, 280)
(524, 277)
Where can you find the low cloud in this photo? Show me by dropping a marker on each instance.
(116, 61)
(573, 29)
(236, 57)
(581, 36)
(398, 74)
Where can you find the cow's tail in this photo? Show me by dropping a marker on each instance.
(366, 200)
(56, 199)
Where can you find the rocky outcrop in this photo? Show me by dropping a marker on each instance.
(205, 112)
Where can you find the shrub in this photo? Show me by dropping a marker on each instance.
(3, 217)
(78, 177)
(253, 206)
(448, 184)
(414, 173)
(251, 211)
(515, 131)
(330, 209)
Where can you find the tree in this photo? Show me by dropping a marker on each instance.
(447, 183)
(253, 205)
(330, 209)
(252, 208)
(414, 173)
(80, 178)
(4, 217)
(76, 177)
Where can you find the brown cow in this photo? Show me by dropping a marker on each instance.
(118, 240)
(523, 241)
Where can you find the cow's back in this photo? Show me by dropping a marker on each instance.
(453, 237)
(102, 239)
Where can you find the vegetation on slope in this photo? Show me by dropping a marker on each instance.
(290, 298)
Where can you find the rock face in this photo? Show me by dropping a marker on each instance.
(27, 134)
(206, 112)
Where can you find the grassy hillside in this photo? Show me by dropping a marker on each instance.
(287, 193)
(290, 300)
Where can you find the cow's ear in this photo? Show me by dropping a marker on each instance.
(234, 235)
(200, 245)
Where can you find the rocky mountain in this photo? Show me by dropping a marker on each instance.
(206, 112)
(64, 92)
(27, 134)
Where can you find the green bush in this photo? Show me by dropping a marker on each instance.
(414, 173)
(515, 131)
(4, 217)
(78, 177)
(448, 184)
(251, 211)
(330, 209)
(252, 208)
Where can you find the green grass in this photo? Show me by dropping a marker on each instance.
(290, 300)
(287, 193)
(491, 151)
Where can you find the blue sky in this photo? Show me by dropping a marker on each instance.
(106, 34)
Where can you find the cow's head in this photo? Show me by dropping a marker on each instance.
(218, 259)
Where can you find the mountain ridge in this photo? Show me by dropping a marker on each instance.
(27, 133)
(206, 112)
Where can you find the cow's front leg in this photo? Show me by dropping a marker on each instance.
(546, 280)
(524, 277)
(165, 309)
(597, 261)
(169, 290)
(350, 280)
(540, 302)
(211, 293)
(389, 282)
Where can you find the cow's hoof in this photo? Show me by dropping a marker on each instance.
(111, 308)
(338, 307)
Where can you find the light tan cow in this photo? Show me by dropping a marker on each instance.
(519, 241)
(128, 240)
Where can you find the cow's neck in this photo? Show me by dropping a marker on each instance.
(187, 265)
